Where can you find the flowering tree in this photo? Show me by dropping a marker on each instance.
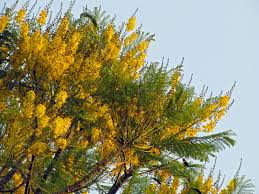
(82, 110)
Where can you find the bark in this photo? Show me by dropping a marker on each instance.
(117, 185)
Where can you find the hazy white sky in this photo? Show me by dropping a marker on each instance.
(220, 42)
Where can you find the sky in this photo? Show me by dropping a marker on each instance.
(219, 40)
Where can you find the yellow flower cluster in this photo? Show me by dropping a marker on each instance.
(28, 104)
(84, 144)
(142, 46)
(198, 101)
(63, 27)
(37, 148)
(175, 80)
(40, 110)
(54, 54)
(43, 121)
(130, 39)
(96, 133)
(112, 49)
(60, 126)
(208, 185)
(109, 32)
(107, 148)
(61, 143)
(151, 189)
(61, 98)
(224, 100)
(231, 185)
(20, 15)
(42, 17)
(17, 178)
(174, 185)
(131, 157)
(131, 24)
(3, 22)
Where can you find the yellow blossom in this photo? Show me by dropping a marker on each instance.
(61, 143)
(141, 47)
(151, 188)
(61, 98)
(40, 110)
(107, 147)
(174, 185)
(20, 15)
(130, 39)
(17, 178)
(231, 186)
(208, 184)
(37, 148)
(95, 134)
(131, 24)
(109, 32)
(30, 96)
(3, 22)
(60, 126)
(84, 144)
(155, 151)
(78, 126)
(198, 101)
(210, 126)
(42, 17)
(224, 100)
(43, 121)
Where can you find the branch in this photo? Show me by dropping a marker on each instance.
(116, 186)
(27, 191)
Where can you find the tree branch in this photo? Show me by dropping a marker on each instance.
(116, 186)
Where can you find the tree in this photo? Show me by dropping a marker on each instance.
(82, 110)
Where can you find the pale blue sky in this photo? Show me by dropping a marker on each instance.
(220, 42)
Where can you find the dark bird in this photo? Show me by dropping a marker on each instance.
(185, 163)
(157, 181)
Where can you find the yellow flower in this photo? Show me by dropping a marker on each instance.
(95, 134)
(141, 47)
(175, 80)
(224, 100)
(199, 180)
(40, 110)
(20, 15)
(42, 17)
(60, 126)
(17, 178)
(210, 126)
(198, 101)
(175, 185)
(131, 24)
(61, 143)
(130, 39)
(3, 22)
(231, 186)
(109, 32)
(208, 184)
(37, 148)
(43, 121)
(151, 189)
(155, 151)
(30, 96)
(61, 98)
(84, 144)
